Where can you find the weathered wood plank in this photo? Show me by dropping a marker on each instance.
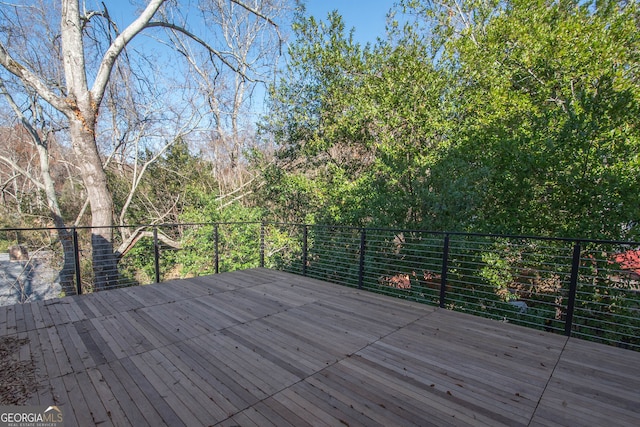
(169, 391)
(146, 335)
(98, 351)
(179, 290)
(192, 389)
(19, 320)
(437, 398)
(86, 303)
(414, 402)
(304, 409)
(76, 400)
(343, 413)
(146, 296)
(131, 394)
(4, 323)
(118, 301)
(38, 321)
(60, 397)
(37, 354)
(285, 413)
(160, 332)
(213, 379)
(230, 359)
(266, 412)
(358, 398)
(450, 380)
(10, 326)
(265, 348)
(267, 367)
(570, 409)
(130, 339)
(231, 306)
(73, 312)
(240, 419)
(590, 383)
(27, 319)
(343, 337)
(217, 283)
(204, 312)
(74, 347)
(120, 406)
(49, 361)
(94, 401)
(58, 314)
(160, 403)
(104, 394)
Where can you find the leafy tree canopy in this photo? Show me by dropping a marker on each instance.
(505, 117)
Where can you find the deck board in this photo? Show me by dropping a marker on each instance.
(267, 348)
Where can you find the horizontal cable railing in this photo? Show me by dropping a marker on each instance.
(577, 287)
(582, 288)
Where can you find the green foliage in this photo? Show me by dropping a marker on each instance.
(505, 117)
(283, 247)
(550, 102)
(138, 265)
(238, 237)
(499, 272)
(358, 130)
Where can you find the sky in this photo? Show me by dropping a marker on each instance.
(368, 17)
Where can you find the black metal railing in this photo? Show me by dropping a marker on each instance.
(577, 287)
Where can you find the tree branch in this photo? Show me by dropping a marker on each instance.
(18, 112)
(138, 234)
(118, 45)
(31, 80)
(266, 18)
(22, 172)
(203, 44)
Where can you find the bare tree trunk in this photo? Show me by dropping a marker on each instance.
(68, 266)
(82, 114)
(101, 203)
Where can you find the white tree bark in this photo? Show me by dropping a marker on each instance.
(80, 104)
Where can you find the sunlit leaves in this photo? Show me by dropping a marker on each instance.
(512, 117)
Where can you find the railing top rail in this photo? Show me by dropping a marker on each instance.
(89, 227)
(348, 227)
(465, 233)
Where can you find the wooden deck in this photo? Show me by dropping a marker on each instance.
(266, 348)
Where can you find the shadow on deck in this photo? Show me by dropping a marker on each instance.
(261, 347)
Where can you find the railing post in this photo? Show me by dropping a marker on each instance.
(156, 254)
(262, 244)
(216, 253)
(363, 246)
(76, 256)
(305, 248)
(445, 268)
(573, 287)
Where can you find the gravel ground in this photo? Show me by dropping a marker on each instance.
(27, 281)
